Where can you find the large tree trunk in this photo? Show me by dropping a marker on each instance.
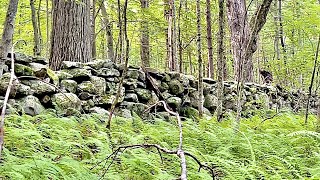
(108, 27)
(71, 32)
(144, 47)
(243, 36)
(6, 41)
(200, 63)
(209, 39)
(36, 34)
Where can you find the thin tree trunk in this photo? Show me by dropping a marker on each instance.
(36, 35)
(200, 63)
(8, 28)
(209, 39)
(93, 30)
(120, 55)
(70, 40)
(283, 45)
(179, 38)
(108, 27)
(221, 59)
(126, 62)
(144, 40)
(47, 28)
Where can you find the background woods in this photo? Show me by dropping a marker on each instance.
(278, 36)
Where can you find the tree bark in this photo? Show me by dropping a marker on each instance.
(200, 63)
(93, 30)
(108, 27)
(6, 40)
(70, 39)
(221, 59)
(209, 39)
(36, 34)
(144, 40)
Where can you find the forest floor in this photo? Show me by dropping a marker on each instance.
(50, 147)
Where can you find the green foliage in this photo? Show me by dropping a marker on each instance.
(48, 147)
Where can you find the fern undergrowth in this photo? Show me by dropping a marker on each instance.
(49, 147)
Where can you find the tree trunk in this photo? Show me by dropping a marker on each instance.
(108, 27)
(36, 35)
(120, 41)
(93, 30)
(144, 47)
(200, 63)
(209, 39)
(169, 15)
(8, 28)
(221, 59)
(70, 39)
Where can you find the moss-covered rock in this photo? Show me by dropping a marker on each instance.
(210, 102)
(23, 70)
(108, 72)
(4, 82)
(143, 94)
(66, 103)
(174, 102)
(176, 87)
(31, 105)
(40, 87)
(69, 85)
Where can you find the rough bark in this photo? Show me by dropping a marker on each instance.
(108, 27)
(221, 59)
(70, 38)
(243, 36)
(144, 40)
(36, 34)
(93, 30)
(169, 15)
(6, 40)
(209, 39)
(200, 63)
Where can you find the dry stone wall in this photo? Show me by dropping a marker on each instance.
(91, 88)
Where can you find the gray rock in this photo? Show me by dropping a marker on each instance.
(62, 75)
(69, 85)
(99, 84)
(174, 75)
(23, 70)
(79, 73)
(190, 112)
(37, 67)
(163, 86)
(108, 72)
(22, 58)
(130, 84)
(24, 90)
(174, 102)
(176, 87)
(209, 81)
(133, 74)
(39, 87)
(4, 82)
(67, 103)
(143, 94)
(31, 105)
(126, 113)
(71, 65)
(98, 64)
(99, 110)
(138, 108)
(210, 102)
(131, 97)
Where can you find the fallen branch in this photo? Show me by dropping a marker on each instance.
(178, 152)
(159, 149)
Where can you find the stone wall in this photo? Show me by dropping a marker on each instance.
(91, 88)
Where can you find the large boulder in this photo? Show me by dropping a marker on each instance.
(31, 105)
(66, 103)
